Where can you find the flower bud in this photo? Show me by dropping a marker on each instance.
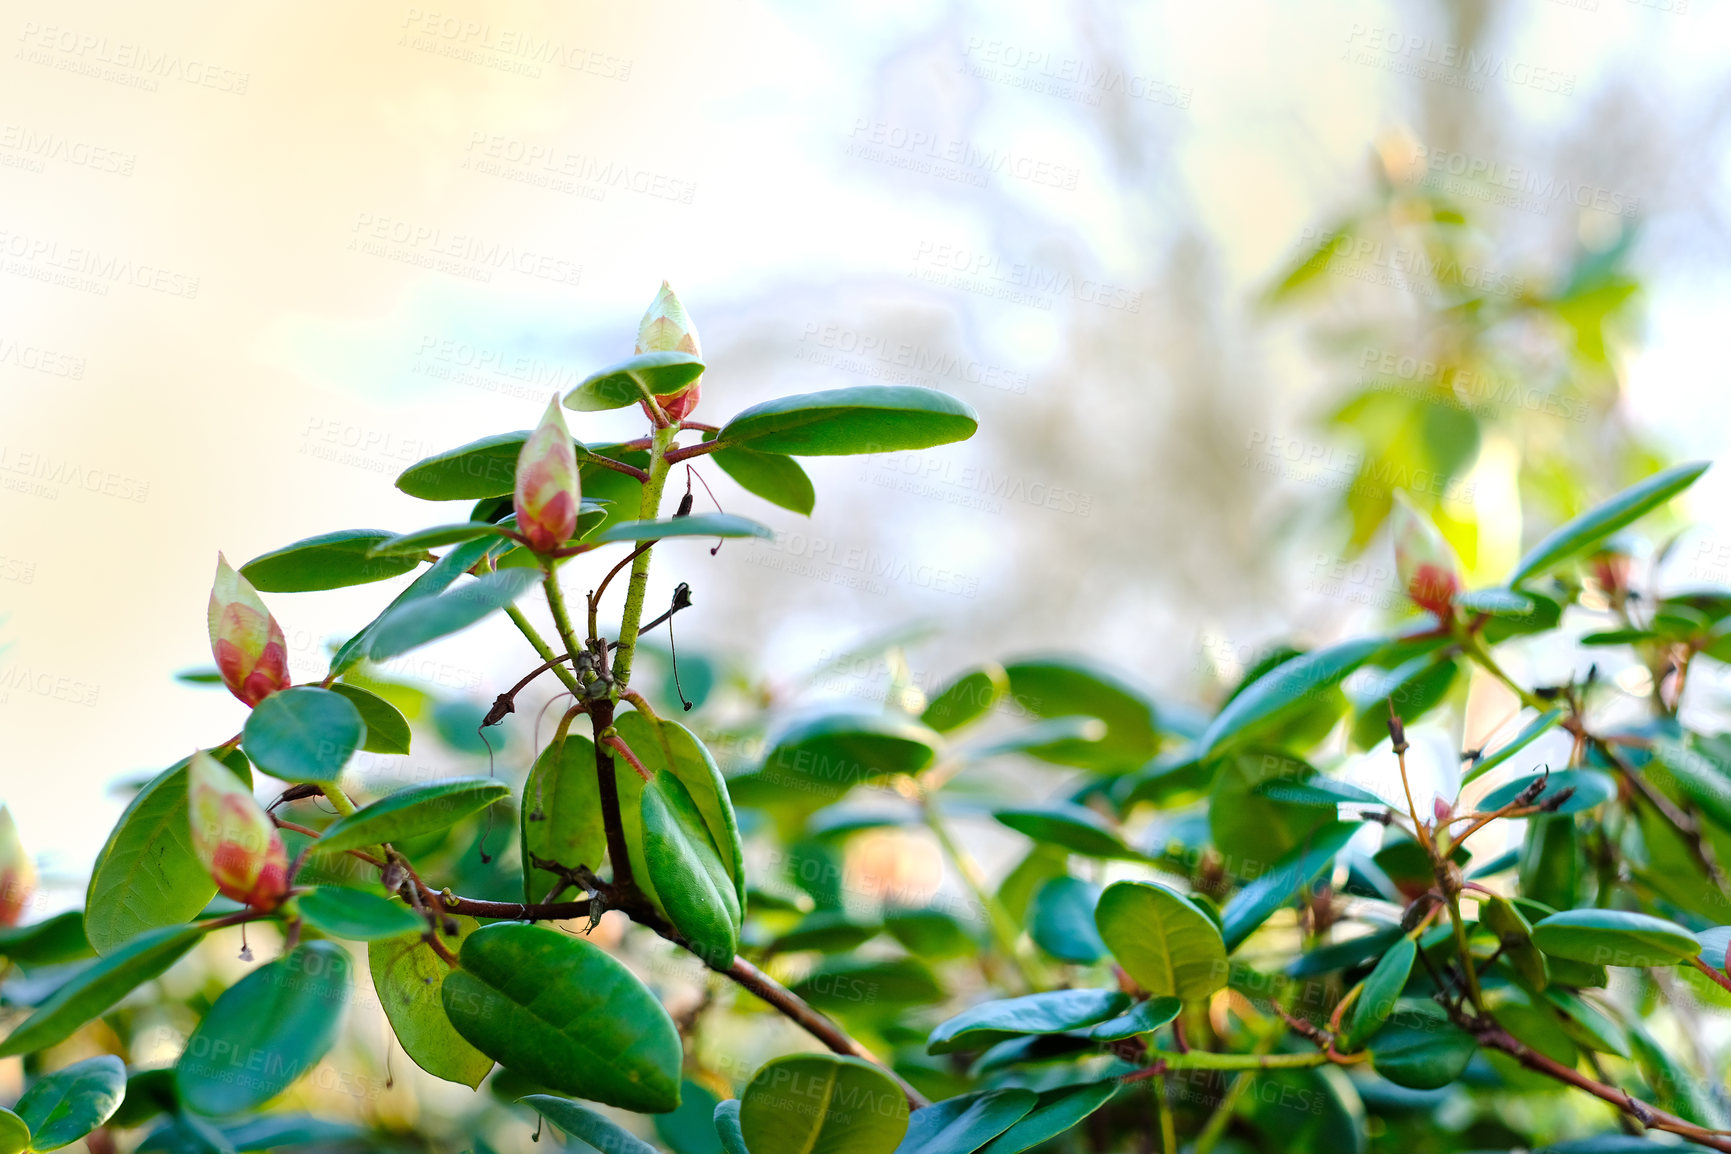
(245, 639)
(17, 872)
(548, 495)
(1423, 561)
(234, 837)
(666, 328)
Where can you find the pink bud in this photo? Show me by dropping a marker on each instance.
(1424, 562)
(245, 639)
(17, 872)
(667, 328)
(234, 837)
(548, 494)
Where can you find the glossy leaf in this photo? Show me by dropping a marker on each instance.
(415, 623)
(1575, 537)
(825, 756)
(685, 866)
(1061, 920)
(1529, 733)
(1053, 1012)
(1614, 938)
(1054, 1113)
(483, 468)
(561, 1012)
(1591, 788)
(328, 561)
(1287, 685)
(387, 729)
(962, 1124)
(691, 1128)
(66, 1105)
(1515, 934)
(851, 985)
(822, 1104)
(1382, 989)
(727, 1127)
(357, 915)
(1420, 1048)
(1072, 687)
(1164, 941)
(14, 1133)
(1072, 827)
(265, 1031)
(304, 734)
(629, 381)
(561, 812)
(966, 699)
(866, 419)
(1256, 902)
(409, 979)
(930, 933)
(586, 1125)
(438, 577)
(93, 990)
(1495, 602)
(147, 874)
(696, 525)
(776, 478)
(416, 544)
(669, 745)
(1144, 1018)
(49, 942)
(411, 812)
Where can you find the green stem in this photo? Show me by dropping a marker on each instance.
(1168, 1129)
(563, 673)
(339, 800)
(1004, 932)
(1475, 649)
(1471, 974)
(1228, 1104)
(561, 617)
(1209, 1060)
(648, 510)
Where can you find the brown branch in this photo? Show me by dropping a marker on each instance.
(631, 471)
(674, 456)
(601, 718)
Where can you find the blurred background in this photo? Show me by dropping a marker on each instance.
(1217, 278)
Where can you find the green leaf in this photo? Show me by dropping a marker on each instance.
(696, 525)
(304, 734)
(414, 623)
(435, 580)
(827, 931)
(357, 915)
(561, 814)
(483, 468)
(691, 1128)
(1163, 940)
(1420, 1048)
(1416, 688)
(1582, 533)
(1382, 991)
(1495, 602)
(14, 1133)
(670, 746)
(1053, 1012)
(1073, 827)
(387, 729)
(1614, 938)
(1256, 902)
(826, 756)
(1500, 916)
(962, 1124)
(1592, 788)
(1059, 687)
(71, 1102)
(1318, 791)
(1061, 920)
(852, 985)
(777, 479)
(1056, 1112)
(586, 1125)
(822, 1104)
(1699, 776)
(147, 874)
(148, 1093)
(328, 561)
(93, 990)
(409, 979)
(265, 1031)
(1144, 1018)
(727, 1127)
(411, 812)
(867, 419)
(1249, 829)
(966, 699)
(417, 543)
(632, 379)
(930, 933)
(685, 866)
(1531, 732)
(1286, 686)
(281, 1131)
(49, 942)
(566, 1015)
